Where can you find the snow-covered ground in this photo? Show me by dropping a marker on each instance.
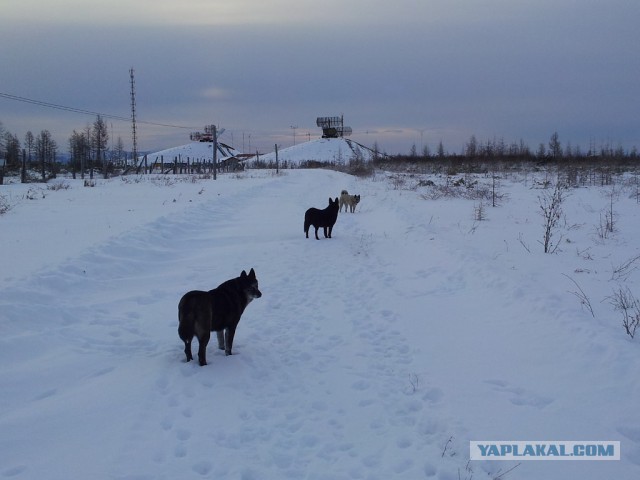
(377, 354)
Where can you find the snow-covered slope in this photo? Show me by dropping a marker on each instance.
(194, 151)
(338, 151)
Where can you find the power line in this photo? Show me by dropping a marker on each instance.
(41, 103)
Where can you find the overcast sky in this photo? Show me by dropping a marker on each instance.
(402, 72)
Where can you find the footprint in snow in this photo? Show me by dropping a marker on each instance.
(13, 471)
(632, 433)
(46, 394)
(520, 396)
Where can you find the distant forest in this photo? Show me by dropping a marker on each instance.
(498, 149)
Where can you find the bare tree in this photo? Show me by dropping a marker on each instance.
(555, 148)
(46, 149)
(79, 148)
(118, 152)
(471, 148)
(11, 149)
(99, 139)
(551, 211)
(29, 143)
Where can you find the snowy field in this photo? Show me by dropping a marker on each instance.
(377, 354)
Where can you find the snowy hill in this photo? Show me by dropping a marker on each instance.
(377, 354)
(324, 150)
(338, 151)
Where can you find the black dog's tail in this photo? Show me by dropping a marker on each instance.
(186, 323)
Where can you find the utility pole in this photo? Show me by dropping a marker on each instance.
(214, 131)
(294, 133)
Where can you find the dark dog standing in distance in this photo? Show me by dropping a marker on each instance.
(322, 218)
(218, 310)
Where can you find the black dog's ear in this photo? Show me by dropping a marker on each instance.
(330, 201)
(243, 274)
(252, 273)
(337, 201)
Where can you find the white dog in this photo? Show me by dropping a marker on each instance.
(348, 201)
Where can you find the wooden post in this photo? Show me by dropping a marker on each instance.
(23, 170)
(277, 158)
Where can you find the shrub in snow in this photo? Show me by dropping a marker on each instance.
(624, 302)
(4, 205)
(551, 211)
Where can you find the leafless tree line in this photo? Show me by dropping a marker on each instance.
(594, 165)
(88, 151)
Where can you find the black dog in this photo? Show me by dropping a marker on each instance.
(219, 310)
(322, 218)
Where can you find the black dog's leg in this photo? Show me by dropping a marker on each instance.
(220, 339)
(185, 331)
(229, 333)
(187, 350)
(330, 230)
(202, 348)
(317, 238)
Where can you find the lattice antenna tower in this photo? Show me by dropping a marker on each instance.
(133, 116)
(333, 127)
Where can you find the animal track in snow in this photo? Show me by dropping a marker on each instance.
(14, 471)
(520, 396)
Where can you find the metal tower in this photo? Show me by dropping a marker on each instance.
(133, 117)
